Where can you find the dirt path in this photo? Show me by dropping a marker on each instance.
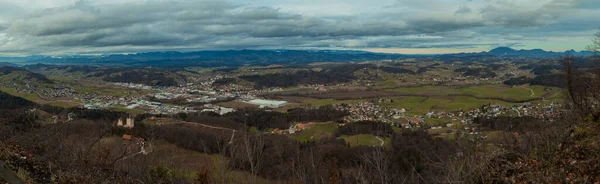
(381, 140)
(532, 93)
(213, 127)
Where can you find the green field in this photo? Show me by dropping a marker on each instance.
(365, 140)
(122, 108)
(421, 105)
(316, 132)
(101, 91)
(62, 104)
(324, 102)
(30, 96)
(421, 100)
(420, 90)
(497, 91)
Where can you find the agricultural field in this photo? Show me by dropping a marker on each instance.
(28, 96)
(366, 140)
(315, 132)
(324, 102)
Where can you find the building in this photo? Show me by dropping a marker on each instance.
(268, 103)
(129, 122)
(224, 110)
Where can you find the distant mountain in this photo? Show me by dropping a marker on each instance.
(502, 51)
(231, 58)
(506, 51)
(236, 58)
(7, 64)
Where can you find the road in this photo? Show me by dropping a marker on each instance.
(532, 93)
(381, 140)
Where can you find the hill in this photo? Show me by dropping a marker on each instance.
(8, 74)
(8, 101)
(7, 64)
(146, 76)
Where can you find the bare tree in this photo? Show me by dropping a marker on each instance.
(595, 47)
(378, 161)
(253, 147)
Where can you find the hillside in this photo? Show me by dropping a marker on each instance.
(146, 76)
(7, 64)
(14, 74)
(12, 102)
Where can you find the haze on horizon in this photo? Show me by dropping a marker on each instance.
(55, 27)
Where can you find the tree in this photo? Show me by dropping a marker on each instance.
(595, 47)
(378, 163)
(253, 147)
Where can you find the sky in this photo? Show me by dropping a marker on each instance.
(61, 27)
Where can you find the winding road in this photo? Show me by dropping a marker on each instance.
(532, 93)
(381, 140)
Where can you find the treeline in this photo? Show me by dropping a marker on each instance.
(552, 80)
(262, 119)
(138, 76)
(299, 77)
(509, 124)
(399, 70)
(333, 75)
(477, 72)
(517, 81)
(223, 81)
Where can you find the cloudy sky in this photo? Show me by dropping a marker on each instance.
(56, 27)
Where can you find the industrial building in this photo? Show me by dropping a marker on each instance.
(268, 103)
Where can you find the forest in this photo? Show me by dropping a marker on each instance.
(333, 75)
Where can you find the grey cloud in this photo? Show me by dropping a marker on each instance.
(463, 10)
(507, 13)
(169, 23)
(213, 24)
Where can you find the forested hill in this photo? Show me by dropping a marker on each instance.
(17, 74)
(8, 101)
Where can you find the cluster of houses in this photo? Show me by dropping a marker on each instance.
(294, 128)
(368, 111)
(217, 109)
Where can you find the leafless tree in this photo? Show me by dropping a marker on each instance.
(252, 148)
(307, 166)
(378, 161)
(595, 47)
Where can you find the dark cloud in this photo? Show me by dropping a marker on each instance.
(215, 24)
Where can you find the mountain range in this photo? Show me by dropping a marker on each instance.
(267, 57)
